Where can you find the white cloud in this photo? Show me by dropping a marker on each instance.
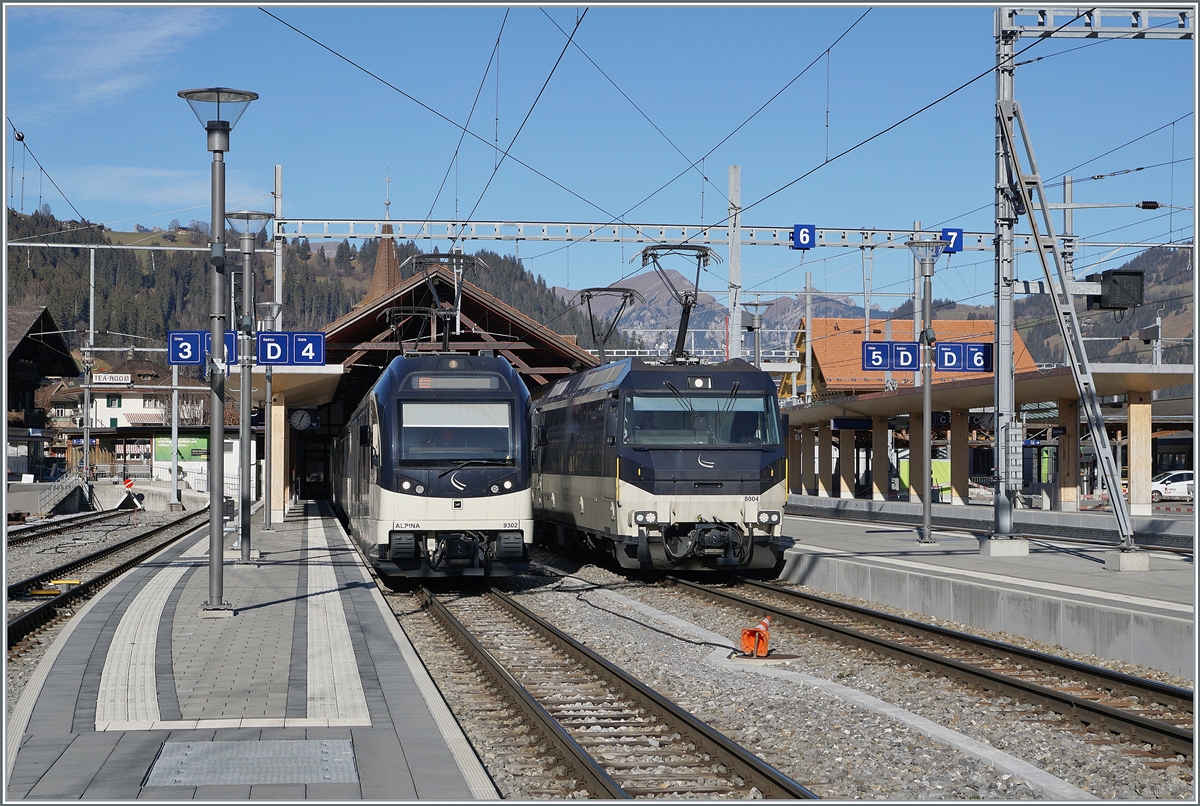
(150, 193)
(93, 57)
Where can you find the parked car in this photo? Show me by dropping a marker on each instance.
(1172, 484)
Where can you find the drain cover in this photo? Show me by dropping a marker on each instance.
(314, 761)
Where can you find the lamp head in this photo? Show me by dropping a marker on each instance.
(927, 249)
(248, 222)
(218, 105)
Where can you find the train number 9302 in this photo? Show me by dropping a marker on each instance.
(511, 526)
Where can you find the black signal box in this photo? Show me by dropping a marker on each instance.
(1119, 289)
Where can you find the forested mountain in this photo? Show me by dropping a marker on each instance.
(144, 293)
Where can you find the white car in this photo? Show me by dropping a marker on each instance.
(1172, 484)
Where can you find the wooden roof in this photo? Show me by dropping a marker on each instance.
(837, 352)
(388, 325)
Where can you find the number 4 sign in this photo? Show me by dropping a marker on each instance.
(308, 349)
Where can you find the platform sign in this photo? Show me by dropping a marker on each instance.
(184, 347)
(950, 356)
(979, 357)
(876, 356)
(963, 356)
(906, 356)
(879, 356)
(308, 349)
(274, 348)
(231, 352)
(804, 236)
(954, 237)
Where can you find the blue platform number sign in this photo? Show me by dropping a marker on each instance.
(954, 237)
(308, 349)
(804, 236)
(273, 348)
(231, 353)
(951, 357)
(979, 357)
(183, 347)
(906, 355)
(876, 356)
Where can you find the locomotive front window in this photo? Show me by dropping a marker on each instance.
(435, 433)
(709, 419)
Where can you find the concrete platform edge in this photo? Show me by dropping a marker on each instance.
(1160, 642)
(468, 763)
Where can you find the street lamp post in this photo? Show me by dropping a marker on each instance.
(248, 225)
(207, 105)
(267, 314)
(927, 252)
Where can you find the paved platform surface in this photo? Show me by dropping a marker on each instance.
(310, 691)
(1060, 592)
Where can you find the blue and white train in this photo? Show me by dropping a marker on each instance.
(433, 476)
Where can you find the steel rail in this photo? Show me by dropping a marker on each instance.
(756, 772)
(30, 583)
(31, 620)
(27, 534)
(585, 768)
(1154, 732)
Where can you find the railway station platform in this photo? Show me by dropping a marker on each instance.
(1059, 593)
(309, 691)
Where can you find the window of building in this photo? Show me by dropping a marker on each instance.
(112, 422)
(153, 402)
(114, 401)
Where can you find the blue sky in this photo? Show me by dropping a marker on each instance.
(93, 90)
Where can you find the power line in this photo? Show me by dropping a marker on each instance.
(532, 106)
(438, 114)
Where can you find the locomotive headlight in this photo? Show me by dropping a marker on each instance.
(645, 517)
(508, 484)
(419, 489)
(406, 485)
(768, 516)
(495, 488)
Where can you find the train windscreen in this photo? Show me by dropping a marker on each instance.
(433, 433)
(690, 419)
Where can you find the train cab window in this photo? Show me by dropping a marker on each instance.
(453, 431)
(695, 419)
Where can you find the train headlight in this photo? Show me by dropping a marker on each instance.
(419, 489)
(406, 485)
(508, 484)
(768, 516)
(645, 517)
(495, 488)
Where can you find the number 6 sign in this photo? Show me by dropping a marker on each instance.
(804, 236)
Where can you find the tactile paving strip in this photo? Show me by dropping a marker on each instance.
(313, 761)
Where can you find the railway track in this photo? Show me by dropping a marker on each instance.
(610, 735)
(39, 531)
(1102, 700)
(95, 570)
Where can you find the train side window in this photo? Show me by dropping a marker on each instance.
(364, 435)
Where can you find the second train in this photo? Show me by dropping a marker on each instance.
(666, 467)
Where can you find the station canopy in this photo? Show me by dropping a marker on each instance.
(410, 315)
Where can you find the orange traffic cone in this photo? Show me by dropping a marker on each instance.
(755, 639)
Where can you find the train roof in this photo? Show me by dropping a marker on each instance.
(634, 373)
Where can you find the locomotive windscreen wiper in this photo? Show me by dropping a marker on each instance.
(728, 403)
(465, 462)
(681, 398)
